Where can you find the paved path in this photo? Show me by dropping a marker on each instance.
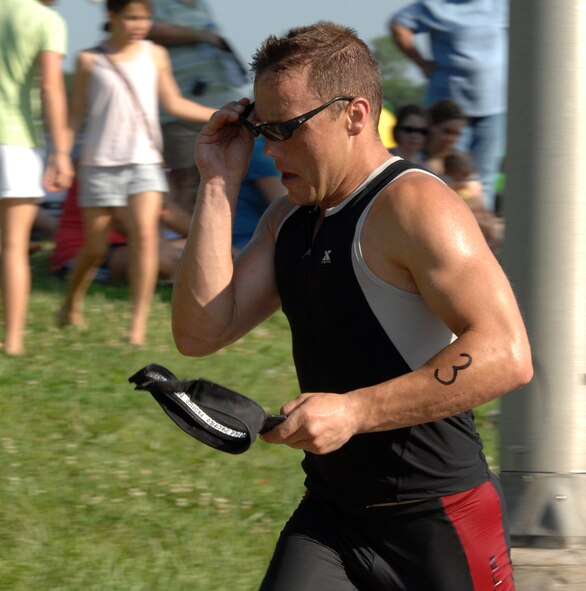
(544, 569)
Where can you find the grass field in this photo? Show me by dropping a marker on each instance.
(99, 490)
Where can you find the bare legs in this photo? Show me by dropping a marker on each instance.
(16, 220)
(142, 222)
(96, 222)
(143, 228)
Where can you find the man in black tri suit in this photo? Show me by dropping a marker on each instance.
(401, 318)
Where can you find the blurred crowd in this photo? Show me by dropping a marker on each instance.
(114, 168)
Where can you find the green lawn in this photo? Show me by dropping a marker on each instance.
(99, 490)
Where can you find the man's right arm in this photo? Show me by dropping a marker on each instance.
(217, 299)
(404, 39)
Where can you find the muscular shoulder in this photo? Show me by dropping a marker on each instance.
(418, 199)
(417, 221)
(413, 200)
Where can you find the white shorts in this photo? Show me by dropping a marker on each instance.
(110, 186)
(21, 172)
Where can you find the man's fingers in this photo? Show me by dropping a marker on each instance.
(292, 405)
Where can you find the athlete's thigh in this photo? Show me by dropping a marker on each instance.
(305, 557)
(478, 519)
(456, 542)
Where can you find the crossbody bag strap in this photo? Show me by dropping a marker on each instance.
(102, 49)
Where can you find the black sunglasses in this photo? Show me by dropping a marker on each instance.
(279, 131)
(408, 129)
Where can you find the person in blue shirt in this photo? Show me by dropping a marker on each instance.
(261, 185)
(469, 49)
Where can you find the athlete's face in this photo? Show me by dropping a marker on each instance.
(313, 161)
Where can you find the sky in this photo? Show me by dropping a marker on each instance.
(244, 24)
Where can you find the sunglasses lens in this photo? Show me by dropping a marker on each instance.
(276, 132)
(249, 126)
(415, 130)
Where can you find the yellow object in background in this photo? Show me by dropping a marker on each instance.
(385, 128)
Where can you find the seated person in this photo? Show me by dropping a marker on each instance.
(460, 175)
(445, 123)
(69, 239)
(410, 133)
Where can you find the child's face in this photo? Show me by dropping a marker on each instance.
(132, 23)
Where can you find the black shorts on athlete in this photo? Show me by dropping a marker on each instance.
(452, 543)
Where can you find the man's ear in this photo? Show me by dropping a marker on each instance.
(358, 115)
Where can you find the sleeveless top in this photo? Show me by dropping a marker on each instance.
(115, 131)
(351, 330)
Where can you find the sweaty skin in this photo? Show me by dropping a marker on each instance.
(419, 237)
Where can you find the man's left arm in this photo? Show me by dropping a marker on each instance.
(437, 246)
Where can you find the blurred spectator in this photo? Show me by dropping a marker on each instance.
(33, 39)
(44, 225)
(261, 185)
(459, 174)
(410, 133)
(456, 168)
(117, 89)
(206, 70)
(69, 238)
(468, 41)
(445, 120)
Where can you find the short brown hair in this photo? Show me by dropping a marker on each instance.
(444, 110)
(339, 63)
(458, 165)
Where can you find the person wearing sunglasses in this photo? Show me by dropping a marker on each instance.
(467, 41)
(410, 133)
(402, 321)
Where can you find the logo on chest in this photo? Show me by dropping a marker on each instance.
(326, 256)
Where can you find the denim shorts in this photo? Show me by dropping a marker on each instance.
(110, 186)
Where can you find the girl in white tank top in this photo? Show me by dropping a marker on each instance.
(116, 91)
